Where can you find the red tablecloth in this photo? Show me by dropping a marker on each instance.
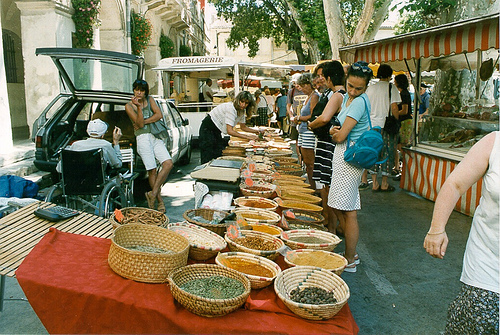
(69, 284)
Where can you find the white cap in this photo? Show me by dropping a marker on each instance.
(97, 128)
(295, 77)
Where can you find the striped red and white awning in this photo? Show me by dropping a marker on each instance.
(453, 38)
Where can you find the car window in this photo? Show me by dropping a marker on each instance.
(176, 115)
(167, 116)
(55, 106)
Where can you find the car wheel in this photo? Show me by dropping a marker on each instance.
(186, 159)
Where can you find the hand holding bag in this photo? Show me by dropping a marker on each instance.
(392, 124)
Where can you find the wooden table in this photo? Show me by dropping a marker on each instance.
(21, 230)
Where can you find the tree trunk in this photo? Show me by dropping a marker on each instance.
(335, 26)
(364, 22)
(379, 16)
(297, 47)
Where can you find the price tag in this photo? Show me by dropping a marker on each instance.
(249, 181)
(278, 201)
(284, 223)
(278, 191)
(233, 232)
(118, 215)
(290, 214)
(251, 167)
(246, 173)
(284, 235)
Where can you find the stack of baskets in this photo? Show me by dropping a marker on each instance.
(211, 215)
(126, 258)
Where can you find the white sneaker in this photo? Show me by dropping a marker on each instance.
(350, 267)
(356, 257)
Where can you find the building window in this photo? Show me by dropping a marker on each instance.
(9, 53)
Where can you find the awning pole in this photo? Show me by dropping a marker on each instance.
(417, 101)
(478, 78)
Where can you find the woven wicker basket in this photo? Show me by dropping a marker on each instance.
(143, 266)
(284, 160)
(279, 152)
(289, 178)
(308, 276)
(283, 188)
(304, 217)
(271, 254)
(331, 240)
(259, 189)
(298, 196)
(140, 215)
(252, 215)
(283, 183)
(209, 215)
(256, 203)
(264, 228)
(204, 306)
(293, 204)
(204, 244)
(236, 260)
(318, 258)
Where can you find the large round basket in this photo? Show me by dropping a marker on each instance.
(204, 244)
(207, 218)
(259, 270)
(318, 258)
(291, 183)
(303, 217)
(298, 196)
(260, 189)
(294, 204)
(257, 215)
(284, 160)
(262, 238)
(308, 276)
(127, 259)
(287, 188)
(310, 239)
(205, 306)
(139, 215)
(279, 152)
(256, 203)
(264, 228)
(291, 170)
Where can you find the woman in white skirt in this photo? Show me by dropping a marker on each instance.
(344, 194)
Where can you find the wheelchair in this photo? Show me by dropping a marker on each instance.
(86, 184)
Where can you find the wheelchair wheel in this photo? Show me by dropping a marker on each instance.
(112, 197)
(54, 194)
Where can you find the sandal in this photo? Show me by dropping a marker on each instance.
(378, 189)
(389, 188)
(161, 207)
(151, 200)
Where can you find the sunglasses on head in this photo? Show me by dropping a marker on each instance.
(140, 82)
(364, 68)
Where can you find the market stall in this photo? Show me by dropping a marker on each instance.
(464, 102)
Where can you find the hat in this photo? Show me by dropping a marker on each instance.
(295, 77)
(424, 85)
(97, 128)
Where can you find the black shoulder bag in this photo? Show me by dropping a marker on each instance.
(392, 124)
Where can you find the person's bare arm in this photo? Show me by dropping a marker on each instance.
(230, 130)
(331, 109)
(469, 171)
(134, 112)
(339, 134)
(395, 110)
(156, 112)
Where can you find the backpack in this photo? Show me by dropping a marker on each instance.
(366, 151)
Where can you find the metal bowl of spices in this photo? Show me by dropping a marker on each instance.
(209, 290)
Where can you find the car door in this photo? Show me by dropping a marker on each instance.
(183, 128)
(172, 142)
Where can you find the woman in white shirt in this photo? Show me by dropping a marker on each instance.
(222, 120)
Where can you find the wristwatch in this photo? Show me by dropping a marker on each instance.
(308, 125)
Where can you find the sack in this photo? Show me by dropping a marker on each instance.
(366, 151)
(391, 125)
(158, 129)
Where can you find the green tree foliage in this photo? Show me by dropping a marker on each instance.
(420, 14)
(409, 23)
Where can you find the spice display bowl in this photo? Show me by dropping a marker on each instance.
(310, 239)
(203, 217)
(299, 196)
(301, 205)
(318, 258)
(256, 243)
(126, 258)
(258, 203)
(302, 217)
(259, 270)
(309, 276)
(252, 215)
(259, 189)
(208, 307)
(204, 244)
(139, 215)
(264, 228)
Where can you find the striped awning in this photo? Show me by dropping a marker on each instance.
(450, 39)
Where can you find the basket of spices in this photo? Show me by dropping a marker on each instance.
(204, 244)
(319, 258)
(209, 290)
(294, 204)
(256, 203)
(273, 152)
(283, 183)
(310, 239)
(259, 270)
(252, 215)
(264, 228)
(311, 293)
(256, 243)
(304, 197)
(259, 189)
(146, 253)
(292, 169)
(284, 160)
(297, 216)
(138, 215)
(207, 218)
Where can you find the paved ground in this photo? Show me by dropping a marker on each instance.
(398, 288)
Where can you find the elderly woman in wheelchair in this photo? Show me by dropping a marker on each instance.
(90, 178)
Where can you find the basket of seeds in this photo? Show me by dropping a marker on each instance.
(259, 189)
(297, 216)
(138, 215)
(146, 253)
(310, 239)
(209, 290)
(204, 244)
(207, 218)
(295, 204)
(256, 215)
(264, 227)
(259, 270)
(319, 258)
(311, 293)
(256, 243)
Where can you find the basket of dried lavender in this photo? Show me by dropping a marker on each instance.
(209, 290)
